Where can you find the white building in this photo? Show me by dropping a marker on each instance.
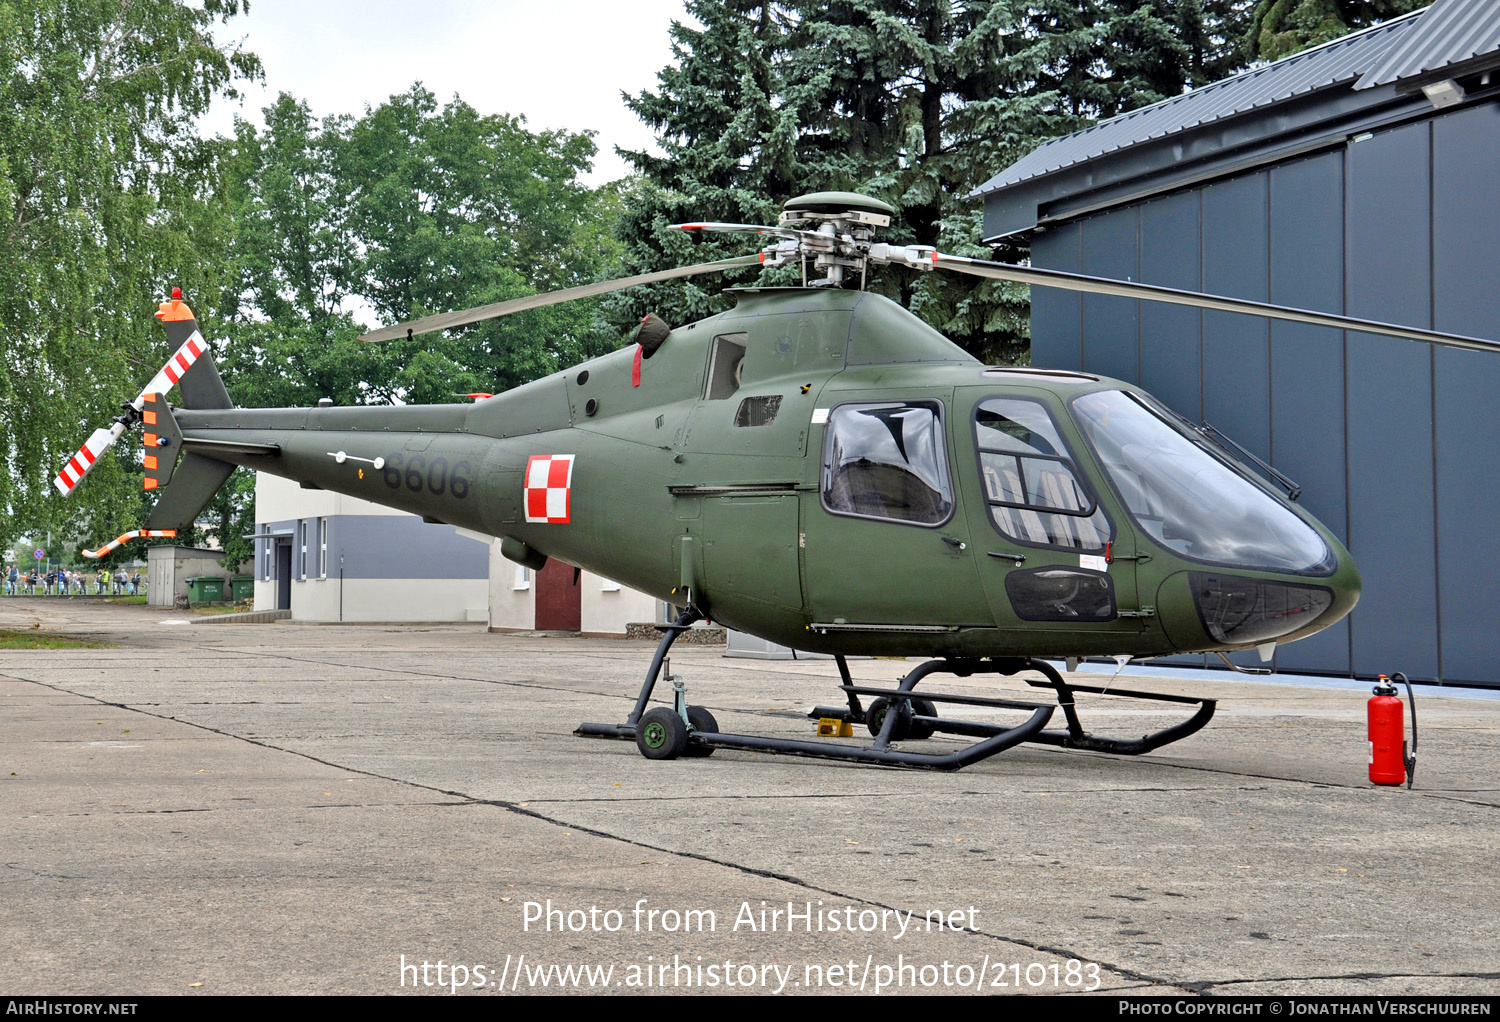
(563, 598)
(330, 557)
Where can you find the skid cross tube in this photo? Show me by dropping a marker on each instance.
(880, 754)
(1075, 737)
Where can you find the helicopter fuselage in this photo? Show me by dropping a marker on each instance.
(822, 469)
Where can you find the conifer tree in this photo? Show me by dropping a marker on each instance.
(728, 122)
(1280, 28)
(916, 102)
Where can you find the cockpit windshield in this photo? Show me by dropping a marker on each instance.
(1189, 500)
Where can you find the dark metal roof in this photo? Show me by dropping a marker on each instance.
(1450, 32)
(1333, 63)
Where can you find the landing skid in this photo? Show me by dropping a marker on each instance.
(895, 715)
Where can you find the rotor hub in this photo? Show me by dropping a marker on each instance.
(844, 210)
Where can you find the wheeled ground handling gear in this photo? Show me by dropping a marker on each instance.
(895, 715)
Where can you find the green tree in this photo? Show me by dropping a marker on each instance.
(729, 123)
(297, 264)
(454, 209)
(407, 210)
(106, 195)
(1280, 28)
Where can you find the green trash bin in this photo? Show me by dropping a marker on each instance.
(242, 587)
(206, 589)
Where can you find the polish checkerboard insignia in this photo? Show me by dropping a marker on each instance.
(549, 486)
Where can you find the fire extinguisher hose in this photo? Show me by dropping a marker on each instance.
(1411, 701)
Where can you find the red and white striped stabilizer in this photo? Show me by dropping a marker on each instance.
(82, 463)
(126, 538)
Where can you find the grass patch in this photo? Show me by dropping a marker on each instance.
(37, 639)
(137, 601)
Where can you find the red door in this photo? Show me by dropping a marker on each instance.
(559, 598)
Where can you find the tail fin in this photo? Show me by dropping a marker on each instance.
(193, 480)
(196, 478)
(198, 378)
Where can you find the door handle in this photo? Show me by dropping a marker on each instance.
(1018, 558)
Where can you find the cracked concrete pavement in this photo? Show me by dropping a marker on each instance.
(293, 809)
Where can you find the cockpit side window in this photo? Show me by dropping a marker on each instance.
(887, 461)
(1030, 482)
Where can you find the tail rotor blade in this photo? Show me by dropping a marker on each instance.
(101, 440)
(82, 463)
(449, 320)
(1151, 292)
(181, 361)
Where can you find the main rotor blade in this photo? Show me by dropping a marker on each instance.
(448, 320)
(1218, 303)
(778, 232)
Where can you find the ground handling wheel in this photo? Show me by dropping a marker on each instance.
(661, 734)
(699, 719)
(905, 727)
(922, 708)
(875, 718)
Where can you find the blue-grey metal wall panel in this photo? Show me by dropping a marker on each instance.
(1390, 415)
(391, 546)
(1110, 325)
(1468, 494)
(1466, 299)
(1236, 353)
(1307, 365)
(1056, 316)
(1392, 440)
(1171, 350)
(1171, 336)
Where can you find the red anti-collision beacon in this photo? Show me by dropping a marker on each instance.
(1388, 759)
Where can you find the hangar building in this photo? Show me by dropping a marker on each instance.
(1360, 177)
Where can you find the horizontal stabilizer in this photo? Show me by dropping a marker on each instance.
(161, 441)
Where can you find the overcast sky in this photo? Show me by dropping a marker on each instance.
(561, 63)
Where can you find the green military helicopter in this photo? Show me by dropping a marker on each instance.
(820, 468)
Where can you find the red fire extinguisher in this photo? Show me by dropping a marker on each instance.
(1389, 761)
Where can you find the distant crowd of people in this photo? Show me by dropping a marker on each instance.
(62, 582)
